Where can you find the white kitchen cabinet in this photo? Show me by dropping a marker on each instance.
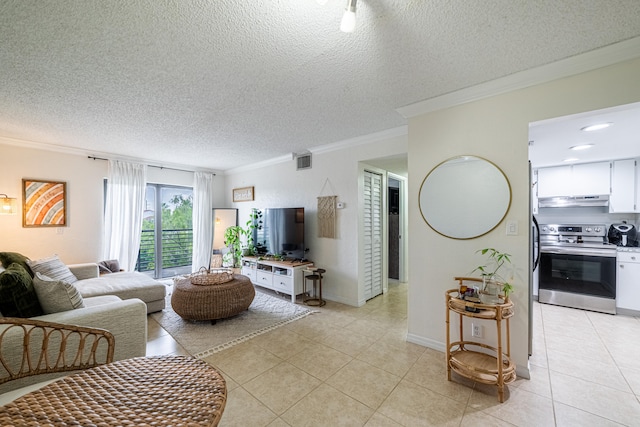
(591, 179)
(554, 181)
(623, 187)
(575, 180)
(628, 282)
(637, 183)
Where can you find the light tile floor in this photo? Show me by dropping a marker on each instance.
(348, 366)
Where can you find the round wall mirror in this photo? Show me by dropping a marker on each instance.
(464, 197)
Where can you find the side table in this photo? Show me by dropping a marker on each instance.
(315, 277)
(478, 361)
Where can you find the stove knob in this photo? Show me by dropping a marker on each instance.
(588, 229)
(552, 229)
(597, 229)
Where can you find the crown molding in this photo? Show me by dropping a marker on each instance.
(98, 154)
(335, 146)
(362, 140)
(598, 58)
(259, 165)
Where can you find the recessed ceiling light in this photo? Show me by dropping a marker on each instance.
(572, 159)
(581, 147)
(596, 127)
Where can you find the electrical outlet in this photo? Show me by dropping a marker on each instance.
(476, 330)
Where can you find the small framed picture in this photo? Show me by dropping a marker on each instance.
(45, 203)
(244, 194)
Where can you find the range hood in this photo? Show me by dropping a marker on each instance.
(573, 201)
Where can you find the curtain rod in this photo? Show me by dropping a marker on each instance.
(151, 166)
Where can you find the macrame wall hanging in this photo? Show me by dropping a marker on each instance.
(327, 213)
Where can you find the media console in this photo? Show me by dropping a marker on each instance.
(281, 276)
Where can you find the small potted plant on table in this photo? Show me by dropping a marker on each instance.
(490, 272)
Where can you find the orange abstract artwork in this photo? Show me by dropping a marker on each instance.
(45, 203)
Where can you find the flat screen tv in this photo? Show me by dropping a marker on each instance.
(280, 231)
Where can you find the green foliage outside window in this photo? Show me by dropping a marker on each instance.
(177, 235)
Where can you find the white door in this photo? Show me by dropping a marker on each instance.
(372, 234)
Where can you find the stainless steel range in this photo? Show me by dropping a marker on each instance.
(577, 267)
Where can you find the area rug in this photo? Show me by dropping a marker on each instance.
(201, 338)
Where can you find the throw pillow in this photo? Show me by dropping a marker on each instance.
(53, 268)
(109, 266)
(17, 296)
(56, 295)
(8, 258)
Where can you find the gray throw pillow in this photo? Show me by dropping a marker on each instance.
(53, 268)
(56, 295)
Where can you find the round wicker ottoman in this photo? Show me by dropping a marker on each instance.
(211, 302)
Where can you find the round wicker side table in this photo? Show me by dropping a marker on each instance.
(212, 302)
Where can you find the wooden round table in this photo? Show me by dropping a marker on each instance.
(144, 391)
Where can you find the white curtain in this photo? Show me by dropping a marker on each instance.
(202, 220)
(126, 187)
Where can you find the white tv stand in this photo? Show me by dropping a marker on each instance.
(281, 276)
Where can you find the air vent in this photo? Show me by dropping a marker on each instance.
(303, 161)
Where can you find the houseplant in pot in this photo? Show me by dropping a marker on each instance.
(254, 223)
(490, 272)
(233, 240)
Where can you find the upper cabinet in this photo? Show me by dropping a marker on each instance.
(620, 179)
(575, 180)
(625, 191)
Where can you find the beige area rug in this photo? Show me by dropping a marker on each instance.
(201, 338)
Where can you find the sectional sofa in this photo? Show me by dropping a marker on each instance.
(118, 302)
(123, 284)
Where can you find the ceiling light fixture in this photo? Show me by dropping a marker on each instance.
(598, 126)
(321, 2)
(348, 23)
(8, 205)
(581, 147)
(572, 159)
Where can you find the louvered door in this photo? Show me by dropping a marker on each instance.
(372, 234)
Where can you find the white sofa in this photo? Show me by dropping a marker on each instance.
(117, 302)
(125, 319)
(125, 285)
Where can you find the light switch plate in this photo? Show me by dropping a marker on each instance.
(512, 228)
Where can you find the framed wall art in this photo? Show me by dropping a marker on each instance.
(45, 203)
(244, 194)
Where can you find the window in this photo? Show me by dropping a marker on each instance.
(166, 244)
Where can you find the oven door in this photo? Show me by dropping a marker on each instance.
(584, 280)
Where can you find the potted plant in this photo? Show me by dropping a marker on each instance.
(254, 223)
(490, 271)
(233, 239)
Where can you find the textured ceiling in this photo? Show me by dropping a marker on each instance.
(219, 84)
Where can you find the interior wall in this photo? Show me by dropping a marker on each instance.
(81, 240)
(332, 173)
(496, 129)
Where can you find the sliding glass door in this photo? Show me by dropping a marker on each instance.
(166, 244)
